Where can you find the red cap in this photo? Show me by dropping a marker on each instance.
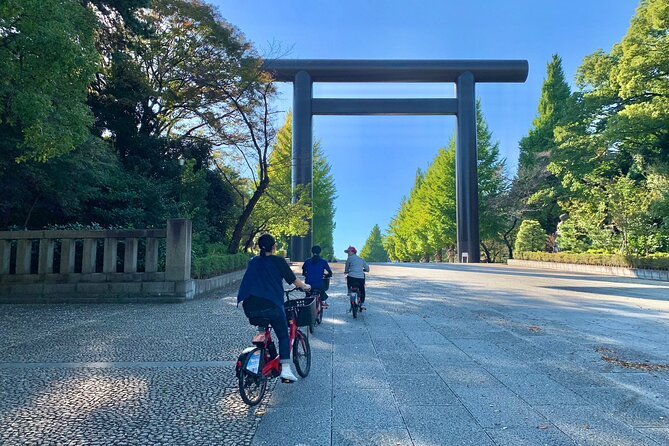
(351, 250)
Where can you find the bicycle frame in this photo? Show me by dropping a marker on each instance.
(272, 367)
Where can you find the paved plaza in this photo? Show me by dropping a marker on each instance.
(446, 355)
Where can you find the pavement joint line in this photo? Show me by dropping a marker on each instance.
(116, 365)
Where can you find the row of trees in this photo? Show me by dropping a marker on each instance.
(597, 157)
(425, 229)
(100, 100)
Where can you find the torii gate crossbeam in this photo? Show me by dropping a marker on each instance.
(464, 73)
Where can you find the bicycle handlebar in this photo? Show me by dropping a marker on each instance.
(287, 292)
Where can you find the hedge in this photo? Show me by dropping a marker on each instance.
(652, 261)
(215, 265)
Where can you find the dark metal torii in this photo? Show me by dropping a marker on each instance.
(464, 73)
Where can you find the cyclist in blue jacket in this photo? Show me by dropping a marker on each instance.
(315, 269)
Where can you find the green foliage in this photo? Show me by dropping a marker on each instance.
(612, 152)
(652, 261)
(283, 219)
(217, 264)
(531, 237)
(373, 251)
(325, 193)
(536, 190)
(47, 60)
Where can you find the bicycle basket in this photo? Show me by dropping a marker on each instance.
(326, 283)
(306, 310)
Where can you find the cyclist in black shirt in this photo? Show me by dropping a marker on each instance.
(261, 295)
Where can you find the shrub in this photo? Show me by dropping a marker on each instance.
(652, 261)
(531, 237)
(215, 265)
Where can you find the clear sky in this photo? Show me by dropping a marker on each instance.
(374, 159)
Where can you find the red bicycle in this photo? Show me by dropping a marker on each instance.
(261, 362)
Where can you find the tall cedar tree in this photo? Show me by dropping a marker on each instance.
(373, 250)
(535, 187)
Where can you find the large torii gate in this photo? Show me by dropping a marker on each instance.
(464, 73)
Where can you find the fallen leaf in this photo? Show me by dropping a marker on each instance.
(544, 426)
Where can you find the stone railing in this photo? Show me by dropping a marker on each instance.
(84, 266)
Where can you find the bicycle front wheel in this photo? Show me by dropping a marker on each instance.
(252, 386)
(302, 354)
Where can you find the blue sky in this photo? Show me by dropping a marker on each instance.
(374, 159)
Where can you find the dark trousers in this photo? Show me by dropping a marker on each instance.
(323, 294)
(359, 284)
(259, 307)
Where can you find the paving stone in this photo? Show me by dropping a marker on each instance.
(397, 363)
(660, 435)
(352, 436)
(498, 407)
(277, 427)
(432, 425)
(590, 427)
(467, 374)
(543, 434)
(366, 409)
(539, 389)
(357, 352)
(362, 375)
(421, 390)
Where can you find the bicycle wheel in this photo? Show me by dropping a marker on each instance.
(252, 386)
(302, 354)
(311, 327)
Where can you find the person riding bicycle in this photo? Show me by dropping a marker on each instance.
(315, 270)
(356, 268)
(261, 294)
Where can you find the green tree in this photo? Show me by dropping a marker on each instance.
(279, 195)
(535, 187)
(612, 153)
(47, 60)
(492, 187)
(531, 237)
(373, 251)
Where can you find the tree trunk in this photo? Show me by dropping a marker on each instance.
(487, 252)
(233, 247)
(507, 242)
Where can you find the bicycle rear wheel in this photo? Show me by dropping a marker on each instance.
(252, 386)
(302, 354)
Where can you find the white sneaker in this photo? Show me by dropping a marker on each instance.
(287, 374)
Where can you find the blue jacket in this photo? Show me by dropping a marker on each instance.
(313, 270)
(263, 278)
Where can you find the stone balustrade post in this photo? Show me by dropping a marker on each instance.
(178, 255)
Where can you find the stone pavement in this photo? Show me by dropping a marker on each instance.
(484, 355)
(123, 374)
(446, 355)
